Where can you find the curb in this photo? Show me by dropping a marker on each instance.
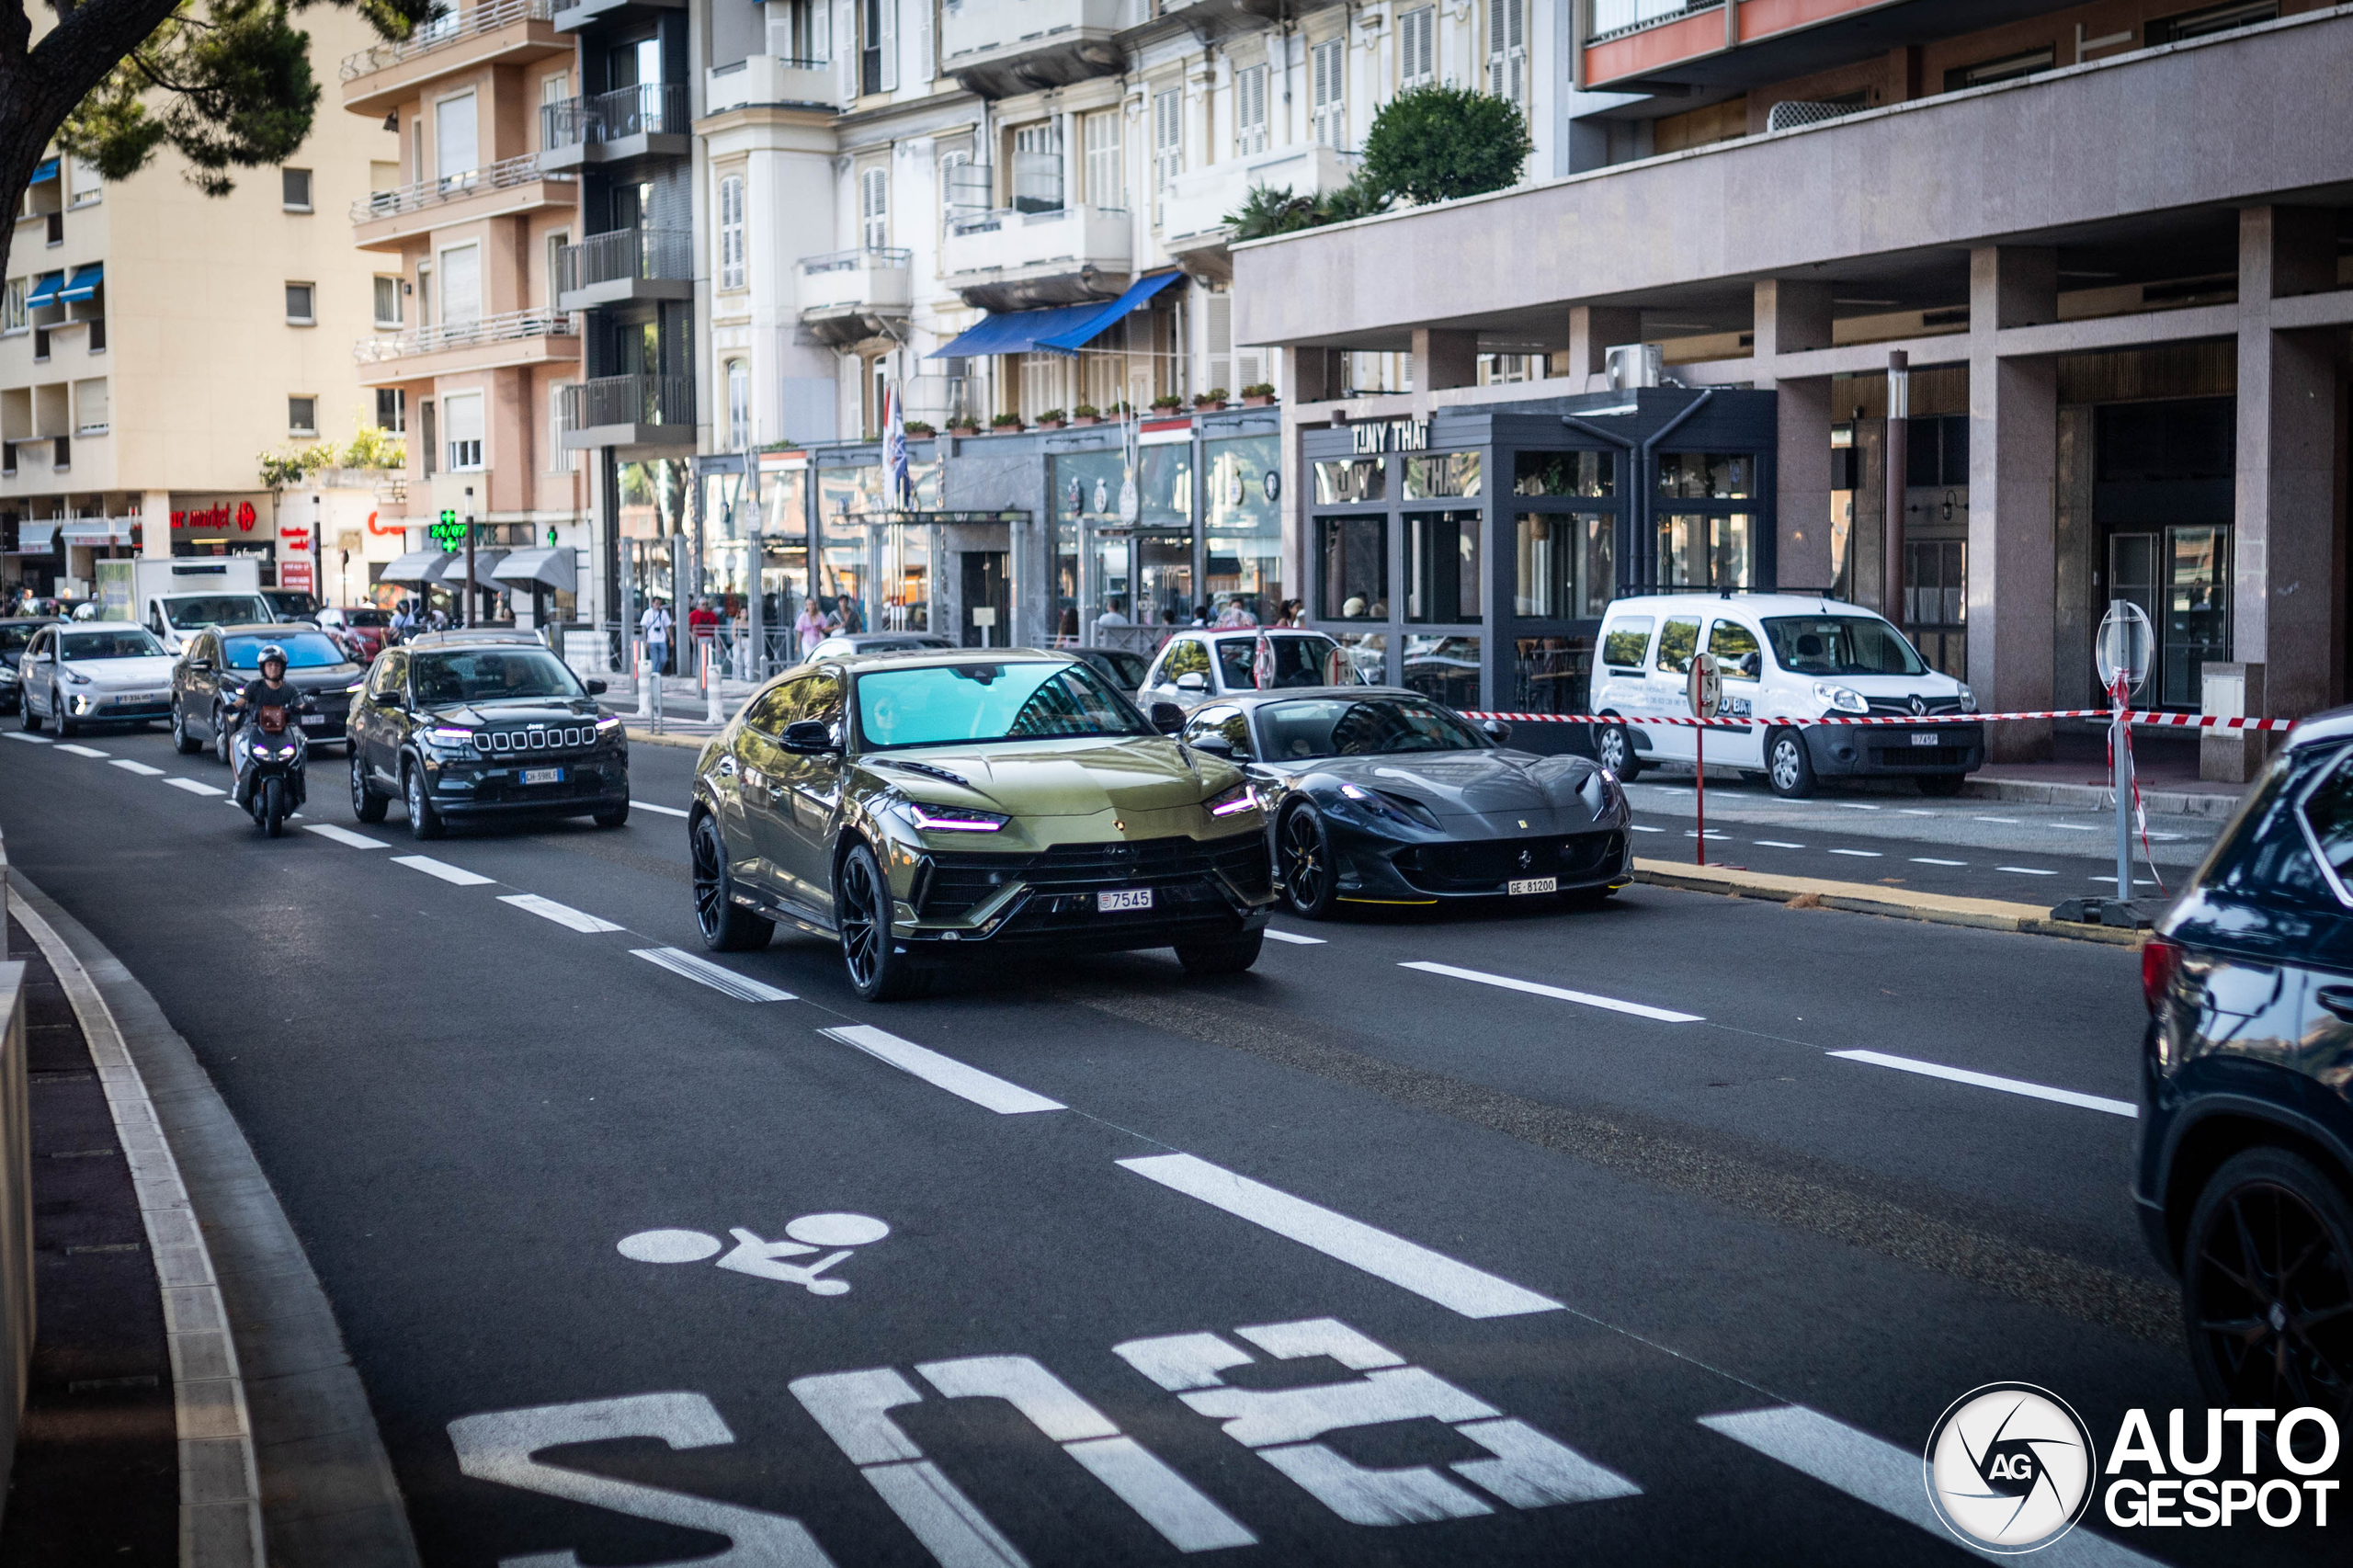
(256, 1355)
(648, 738)
(1861, 898)
(2214, 806)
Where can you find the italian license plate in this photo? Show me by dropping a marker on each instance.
(1123, 898)
(543, 775)
(1926, 738)
(314, 721)
(1534, 884)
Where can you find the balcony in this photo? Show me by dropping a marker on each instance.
(518, 338)
(628, 411)
(509, 33)
(647, 120)
(1193, 208)
(571, 16)
(384, 220)
(626, 264)
(999, 50)
(1007, 260)
(854, 295)
(769, 79)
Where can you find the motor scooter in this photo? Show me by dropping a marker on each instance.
(271, 785)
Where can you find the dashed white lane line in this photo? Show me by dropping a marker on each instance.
(1663, 1015)
(1989, 1081)
(141, 769)
(960, 1079)
(1861, 854)
(29, 740)
(1640, 828)
(1878, 1473)
(1692, 832)
(82, 751)
(1912, 812)
(1853, 806)
(702, 971)
(649, 806)
(2137, 881)
(2027, 870)
(561, 914)
(443, 869)
(1294, 937)
(1932, 860)
(2077, 827)
(1777, 844)
(193, 788)
(1433, 1275)
(344, 836)
(2005, 822)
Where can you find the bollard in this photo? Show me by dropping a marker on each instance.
(711, 711)
(654, 678)
(637, 668)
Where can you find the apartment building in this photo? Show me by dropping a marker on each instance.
(469, 214)
(155, 341)
(2051, 302)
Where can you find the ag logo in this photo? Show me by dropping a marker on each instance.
(2009, 1468)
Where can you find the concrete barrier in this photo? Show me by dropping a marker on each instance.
(16, 1200)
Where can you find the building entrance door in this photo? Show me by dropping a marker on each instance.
(2180, 578)
(984, 587)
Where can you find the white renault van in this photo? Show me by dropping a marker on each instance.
(1784, 656)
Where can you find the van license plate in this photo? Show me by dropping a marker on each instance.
(543, 775)
(1123, 898)
(1534, 884)
(1926, 738)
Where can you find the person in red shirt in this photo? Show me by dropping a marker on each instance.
(702, 622)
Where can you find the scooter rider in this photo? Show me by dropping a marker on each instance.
(269, 689)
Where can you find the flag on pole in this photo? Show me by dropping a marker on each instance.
(894, 445)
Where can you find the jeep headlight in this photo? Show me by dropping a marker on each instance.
(449, 738)
(1840, 699)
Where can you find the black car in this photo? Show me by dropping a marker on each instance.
(465, 726)
(219, 661)
(16, 632)
(2246, 1178)
(292, 605)
(1125, 670)
(1380, 796)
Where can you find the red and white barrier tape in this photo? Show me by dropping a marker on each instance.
(2175, 721)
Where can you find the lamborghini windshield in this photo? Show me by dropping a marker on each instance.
(956, 704)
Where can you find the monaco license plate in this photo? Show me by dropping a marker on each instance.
(1926, 738)
(543, 775)
(1123, 898)
(1534, 884)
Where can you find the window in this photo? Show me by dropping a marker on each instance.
(1677, 642)
(557, 243)
(423, 293)
(14, 316)
(874, 208)
(460, 285)
(388, 301)
(1734, 644)
(1508, 50)
(1700, 475)
(302, 415)
(1037, 168)
(1697, 550)
(1327, 94)
(1564, 473)
(1167, 137)
(878, 59)
(739, 405)
(1625, 643)
(1250, 110)
(454, 156)
(294, 189)
(1105, 179)
(558, 458)
(1355, 554)
(1441, 567)
(957, 180)
(1417, 47)
(555, 91)
(416, 150)
(90, 416)
(2009, 68)
(428, 450)
(392, 409)
(301, 306)
(87, 184)
(461, 423)
(2212, 20)
(731, 231)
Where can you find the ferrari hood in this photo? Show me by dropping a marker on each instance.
(1467, 783)
(1061, 778)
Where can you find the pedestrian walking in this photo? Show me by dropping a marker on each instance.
(654, 626)
(809, 630)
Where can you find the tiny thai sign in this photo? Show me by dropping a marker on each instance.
(1391, 435)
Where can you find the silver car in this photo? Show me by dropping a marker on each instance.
(108, 671)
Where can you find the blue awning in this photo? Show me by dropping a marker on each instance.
(48, 171)
(45, 289)
(86, 281)
(1058, 329)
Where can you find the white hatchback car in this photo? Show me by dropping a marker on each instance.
(1197, 664)
(1784, 656)
(106, 672)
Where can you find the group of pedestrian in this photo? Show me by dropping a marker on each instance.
(409, 617)
(819, 621)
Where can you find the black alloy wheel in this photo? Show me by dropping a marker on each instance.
(1787, 767)
(365, 804)
(862, 912)
(424, 821)
(65, 727)
(182, 742)
(2268, 1285)
(1942, 786)
(1615, 748)
(726, 926)
(1310, 880)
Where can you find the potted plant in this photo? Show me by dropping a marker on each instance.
(1087, 413)
(963, 424)
(1208, 401)
(1004, 423)
(1121, 409)
(920, 430)
(1051, 420)
(1259, 394)
(1167, 403)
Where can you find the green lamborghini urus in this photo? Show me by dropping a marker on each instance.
(933, 806)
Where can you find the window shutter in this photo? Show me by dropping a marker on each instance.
(1167, 136)
(874, 208)
(1417, 53)
(887, 41)
(1250, 110)
(1106, 181)
(1508, 50)
(1326, 66)
(1217, 320)
(926, 63)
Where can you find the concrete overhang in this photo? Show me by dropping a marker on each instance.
(668, 438)
(622, 290)
(385, 87)
(619, 150)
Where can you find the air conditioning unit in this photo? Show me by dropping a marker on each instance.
(1635, 365)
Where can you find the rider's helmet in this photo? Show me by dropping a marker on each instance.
(272, 651)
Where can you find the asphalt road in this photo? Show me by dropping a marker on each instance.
(1530, 1244)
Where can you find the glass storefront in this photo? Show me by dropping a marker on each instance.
(1551, 674)
(1084, 490)
(1564, 564)
(1354, 552)
(1444, 669)
(1242, 526)
(1442, 566)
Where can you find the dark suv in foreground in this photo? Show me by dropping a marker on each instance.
(2246, 1179)
(468, 725)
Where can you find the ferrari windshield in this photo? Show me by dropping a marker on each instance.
(943, 705)
(1841, 645)
(1368, 726)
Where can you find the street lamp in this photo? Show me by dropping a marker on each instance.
(466, 616)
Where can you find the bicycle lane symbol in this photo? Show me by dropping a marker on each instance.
(765, 1259)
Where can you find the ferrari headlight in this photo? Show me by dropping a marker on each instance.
(953, 819)
(1234, 801)
(1840, 699)
(1411, 813)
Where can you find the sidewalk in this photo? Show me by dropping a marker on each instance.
(685, 709)
(2166, 764)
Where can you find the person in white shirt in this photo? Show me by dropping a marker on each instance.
(654, 624)
(1112, 615)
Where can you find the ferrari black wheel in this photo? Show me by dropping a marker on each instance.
(1305, 851)
(2268, 1285)
(878, 971)
(726, 926)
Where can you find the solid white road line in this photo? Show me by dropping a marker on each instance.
(141, 769)
(82, 751)
(1932, 860)
(1457, 1287)
(442, 870)
(984, 1089)
(649, 806)
(1663, 1015)
(2027, 870)
(561, 914)
(704, 973)
(1777, 844)
(1886, 1477)
(193, 788)
(344, 836)
(32, 740)
(1294, 937)
(1860, 854)
(1988, 1081)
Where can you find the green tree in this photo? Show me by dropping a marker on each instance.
(227, 84)
(1438, 142)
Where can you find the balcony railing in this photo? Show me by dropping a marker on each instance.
(769, 79)
(1611, 17)
(513, 326)
(875, 278)
(648, 108)
(444, 30)
(452, 187)
(626, 254)
(627, 400)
